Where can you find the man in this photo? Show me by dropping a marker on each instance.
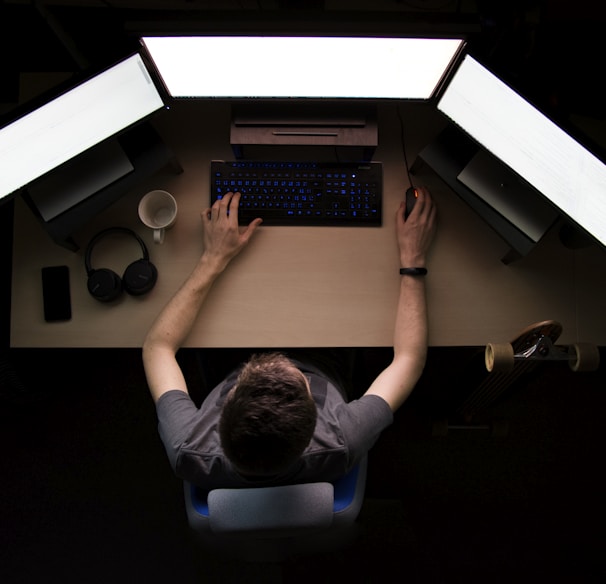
(280, 420)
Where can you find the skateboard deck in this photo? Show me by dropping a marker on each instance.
(506, 363)
(503, 371)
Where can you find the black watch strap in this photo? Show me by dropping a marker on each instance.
(413, 271)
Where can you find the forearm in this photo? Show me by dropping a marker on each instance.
(414, 238)
(170, 329)
(396, 382)
(410, 332)
(174, 323)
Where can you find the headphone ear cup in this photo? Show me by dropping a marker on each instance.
(140, 277)
(104, 285)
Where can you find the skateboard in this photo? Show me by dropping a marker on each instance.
(506, 363)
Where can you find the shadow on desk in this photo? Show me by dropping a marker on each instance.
(88, 495)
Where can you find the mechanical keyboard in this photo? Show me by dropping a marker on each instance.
(302, 193)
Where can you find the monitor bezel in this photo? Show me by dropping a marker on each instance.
(555, 117)
(64, 87)
(312, 100)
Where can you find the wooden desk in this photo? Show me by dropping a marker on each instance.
(296, 287)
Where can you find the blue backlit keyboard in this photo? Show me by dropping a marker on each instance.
(302, 193)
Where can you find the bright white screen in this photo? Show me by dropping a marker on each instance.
(75, 121)
(307, 67)
(528, 142)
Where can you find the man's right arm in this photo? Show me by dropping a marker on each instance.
(223, 240)
(415, 236)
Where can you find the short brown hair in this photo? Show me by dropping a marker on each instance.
(269, 417)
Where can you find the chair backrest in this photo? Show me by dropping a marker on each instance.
(270, 523)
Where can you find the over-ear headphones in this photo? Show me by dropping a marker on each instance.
(105, 285)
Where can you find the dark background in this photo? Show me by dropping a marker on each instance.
(88, 495)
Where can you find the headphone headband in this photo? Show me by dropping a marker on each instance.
(102, 234)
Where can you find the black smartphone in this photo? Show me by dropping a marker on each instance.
(56, 293)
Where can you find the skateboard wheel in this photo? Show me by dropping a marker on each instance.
(586, 357)
(499, 357)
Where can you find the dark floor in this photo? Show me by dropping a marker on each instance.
(88, 494)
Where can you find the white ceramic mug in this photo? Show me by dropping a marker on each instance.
(158, 210)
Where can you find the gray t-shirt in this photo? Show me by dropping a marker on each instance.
(344, 433)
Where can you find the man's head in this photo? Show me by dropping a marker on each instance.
(269, 416)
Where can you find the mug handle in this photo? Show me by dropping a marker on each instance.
(159, 235)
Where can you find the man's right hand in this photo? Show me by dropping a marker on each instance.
(223, 238)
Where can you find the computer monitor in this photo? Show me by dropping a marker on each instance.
(565, 172)
(48, 135)
(302, 67)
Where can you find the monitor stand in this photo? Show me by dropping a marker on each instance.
(145, 154)
(76, 180)
(347, 130)
(457, 159)
(501, 188)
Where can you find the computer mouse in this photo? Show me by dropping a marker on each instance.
(411, 199)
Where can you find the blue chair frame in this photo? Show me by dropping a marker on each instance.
(274, 523)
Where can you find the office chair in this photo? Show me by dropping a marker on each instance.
(271, 524)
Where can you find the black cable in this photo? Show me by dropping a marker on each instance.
(403, 141)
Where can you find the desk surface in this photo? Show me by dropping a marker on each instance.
(316, 286)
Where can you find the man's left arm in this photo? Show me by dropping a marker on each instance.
(415, 235)
(223, 240)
